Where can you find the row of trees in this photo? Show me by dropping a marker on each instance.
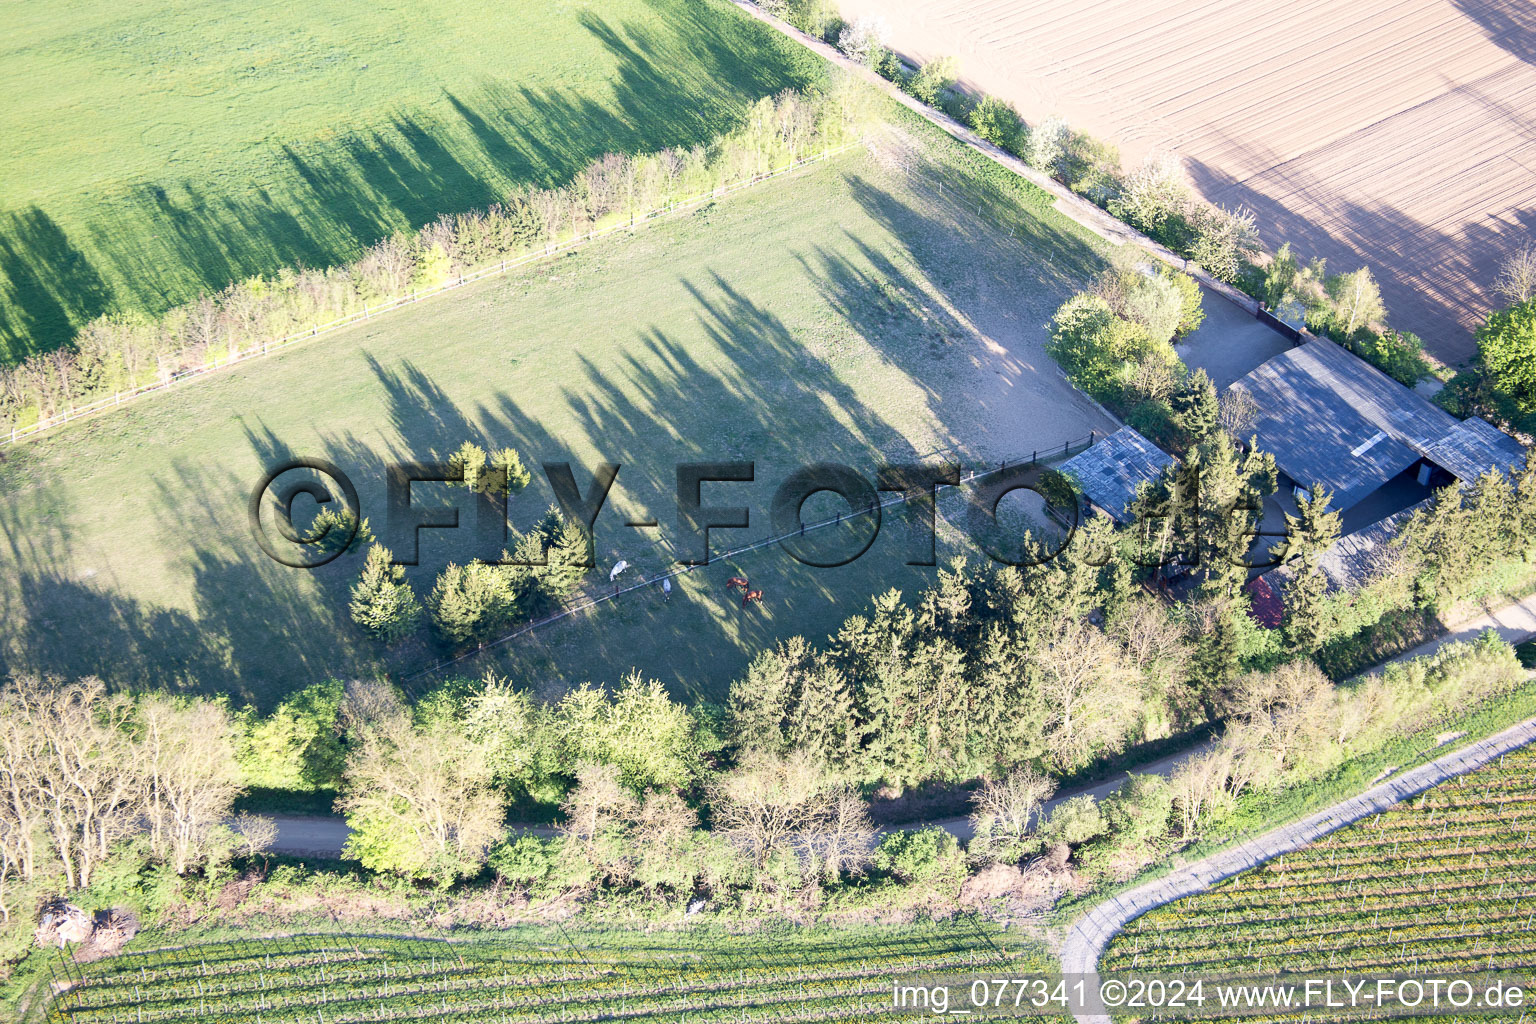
(426, 789)
(1013, 676)
(1345, 307)
(472, 603)
(1504, 384)
(1291, 725)
(120, 351)
(86, 774)
(1156, 198)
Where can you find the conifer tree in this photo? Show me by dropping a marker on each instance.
(470, 602)
(1196, 411)
(1494, 520)
(1308, 537)
(383, 603)
(567, 552)
(469, 460)
(512, 472)
(1217, 660)
(1438, 539)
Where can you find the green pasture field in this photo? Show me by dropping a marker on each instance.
(857, 311)
(1441, 883)
(157, 151)
(698, 973)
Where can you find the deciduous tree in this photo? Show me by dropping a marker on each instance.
(420, 798)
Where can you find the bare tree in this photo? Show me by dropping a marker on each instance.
(1280, 720)
(765, 804)
(187, 752)
(1238, 411)
(1087, 691)
(598, 802)
(256, 832)
(85, 779)
(1006, 808)
(22, 755)
(1517, 275)
(660, 835)
(1199, 788)
(843, 835)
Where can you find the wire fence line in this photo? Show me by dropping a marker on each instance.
(1039, 456)
(117, 399)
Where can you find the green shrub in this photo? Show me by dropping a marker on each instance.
(1155, 421)
(1074, 822)
(996, 121)
(920, 856)
(523, 860)
(1097, 349)
(1192, 313)
(1399, 354)
(817, 18)
(297, 747)
(932, 79)
(1506, 351)
(1092, 169)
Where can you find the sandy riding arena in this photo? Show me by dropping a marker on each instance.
(1395, 134)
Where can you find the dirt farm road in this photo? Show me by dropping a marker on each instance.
(325, 835)
(1391, 134)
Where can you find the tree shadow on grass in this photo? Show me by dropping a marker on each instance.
(723, 377)
(681, 81)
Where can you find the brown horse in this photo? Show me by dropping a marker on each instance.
(737, 583)
(749, 596)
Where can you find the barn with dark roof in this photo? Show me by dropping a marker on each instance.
(1329, 417)
(1111, 472)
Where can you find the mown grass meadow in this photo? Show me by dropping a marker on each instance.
(854, 312)
(158, 152)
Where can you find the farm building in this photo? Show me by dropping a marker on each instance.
(1331, 418)
(1111, 473)
(1354, 559)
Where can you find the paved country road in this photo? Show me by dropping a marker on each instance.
(1089, 935)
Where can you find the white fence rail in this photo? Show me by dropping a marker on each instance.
(76, 412)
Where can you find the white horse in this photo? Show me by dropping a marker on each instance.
(618, 567)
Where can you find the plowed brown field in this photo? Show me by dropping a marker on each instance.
(1401, 135)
